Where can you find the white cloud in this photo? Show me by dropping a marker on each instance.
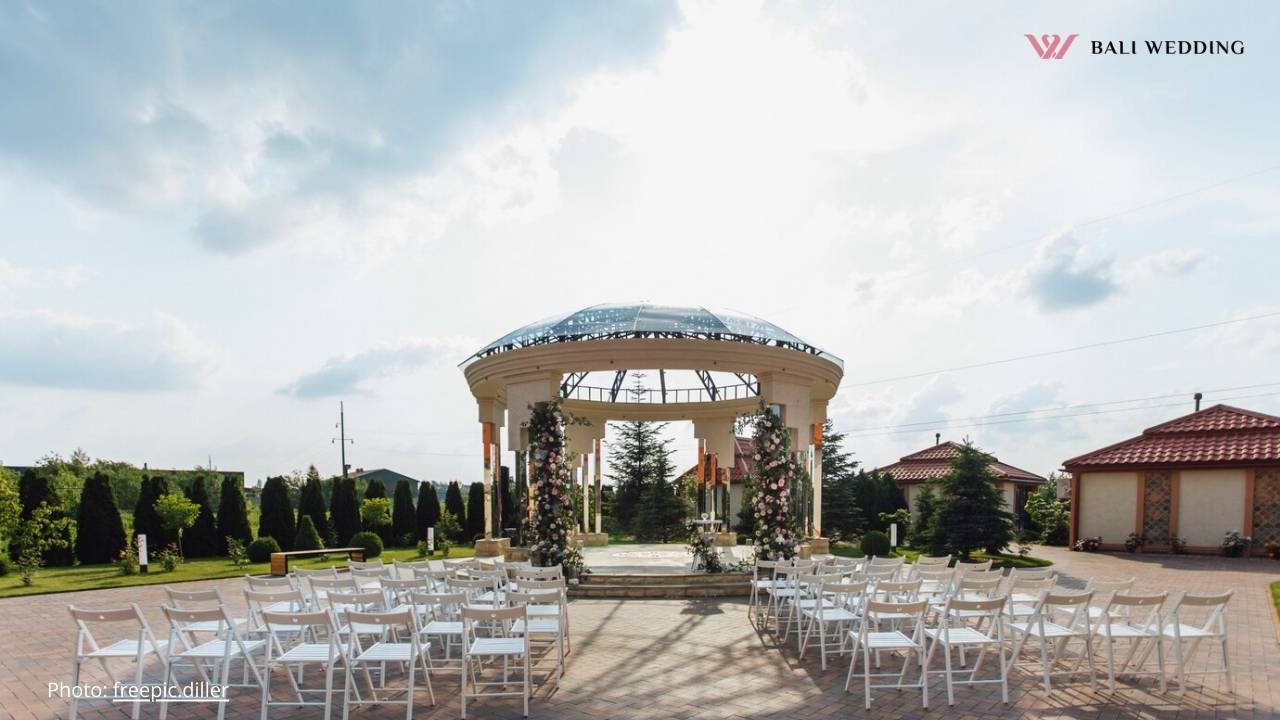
(1061, 277)
(66, 278)
(349, 373)
(1171, 262)
(43, 348)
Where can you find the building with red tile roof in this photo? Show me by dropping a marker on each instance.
(912, 471)
(1195, 477)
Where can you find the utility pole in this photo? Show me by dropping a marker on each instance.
(342, 438)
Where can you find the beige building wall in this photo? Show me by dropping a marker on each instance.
(1108, 505)
(1210, 503)
(1010, 494)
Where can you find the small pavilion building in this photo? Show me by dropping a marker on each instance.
(913, 471)
(1196, 477)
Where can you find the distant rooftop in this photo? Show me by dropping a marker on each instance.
(933, 462)
(1218, 435)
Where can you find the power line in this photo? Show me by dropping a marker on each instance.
(943, 421)
(1061, 351)
(1058, 417)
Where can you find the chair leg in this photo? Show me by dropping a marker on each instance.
(466, 662)
(1226, 667)
(946, 662)
(1044, 664)
(527, 672)
(73, 711)
(408, 700)
(866, 675)
(328, 691)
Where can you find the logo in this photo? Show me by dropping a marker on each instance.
(1051, 47)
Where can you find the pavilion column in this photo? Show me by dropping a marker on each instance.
(815, 462)
(489, 453)
(700, 477)
(586, 495)
(713, 479)
(599, 488)
(725, 510)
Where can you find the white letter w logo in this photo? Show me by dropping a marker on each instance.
(1051, 47)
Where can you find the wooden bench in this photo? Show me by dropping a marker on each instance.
(280, 560)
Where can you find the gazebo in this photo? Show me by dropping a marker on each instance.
(555, 357)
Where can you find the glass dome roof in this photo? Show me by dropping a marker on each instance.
(643, 320)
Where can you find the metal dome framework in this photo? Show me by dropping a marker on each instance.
(553, 357)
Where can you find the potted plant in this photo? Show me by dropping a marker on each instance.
(1133, 542)
(1089, 544)
(1178, 545)
(1234, 544)
(1273, 549)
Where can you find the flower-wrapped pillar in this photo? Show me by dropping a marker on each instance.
(552, 512)
(776, 475)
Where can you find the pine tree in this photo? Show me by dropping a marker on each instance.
(344, 510)
(632, 461)
(475, 511)
(33, 489)
(233, 514)
(275, 518)
(99, 530)
(403, 521)
(145, 519)
(307, 537)
(973, 514)
(924, 530)
(840, 513)
(454, 504)
(311, 503)
(201, 539)
(428, 511)
(663, 512)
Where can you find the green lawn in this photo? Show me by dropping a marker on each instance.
(1275, 595)
(94, 577)
(1002, 560)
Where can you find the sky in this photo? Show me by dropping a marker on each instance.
(219, 220)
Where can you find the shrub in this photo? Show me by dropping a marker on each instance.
(176, 514)
(6, 565)
(127, 560)
(1272, 547)
(307, 538)
(1178, 545)
(260, 550)
(370, 541)
(447, 529)
(453, 504)
(875, 543)
(238, 553)
(201, 539)
(170, 558)
(1050, 514)
(311, 503)
(1133, 542)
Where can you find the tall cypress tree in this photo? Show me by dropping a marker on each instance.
(972, 513)
(344, 510)
(275, 518)
(201, 539)
(508, 517)
(311, 504)
(475, 511)
(33, 489)
(145, 519)
(375, 489)
(403, 522)
(454, 504)
(100, 532)
(233, 514)
(428, 512)
(633, 466)
(663, 512)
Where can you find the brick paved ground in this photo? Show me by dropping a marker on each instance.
(703, 659)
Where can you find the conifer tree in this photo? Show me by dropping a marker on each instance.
(100, 532)
(475, 511)
(454, 504)
(311, 503)
(428, 510)
(33, 489)
(375, 488)
(307, 537)
(633, 461)
(663, 511)
(146, 521)
(973, 514)
(201, 539)
(344, 510)
(840, 513)
(275, 518)
(403, 522)
(233, 514)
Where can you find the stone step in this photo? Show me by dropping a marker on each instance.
(665, 592)
(642, 579)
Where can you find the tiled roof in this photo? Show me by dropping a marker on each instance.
(1219, 435)
(934, 461)
(741, 462)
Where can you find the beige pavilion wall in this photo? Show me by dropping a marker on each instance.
(1108, 505)
(1210, 503)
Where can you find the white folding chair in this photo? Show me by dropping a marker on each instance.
(138, 647)
(295, 640)
(545, 630)
(954, 631)
(1023, 594)
(343, 604)
(1187, 638)
(397, 592)
(302, 579)
(936, 583)
(369, 578)
(1135, 618)
(398, 643)
(258, 602)
(1051, 634)
(201, 599)
(211, 659)
(867, 641)
(554, 603)
(844, 608)
(763, 579)
(374, 564)
(501, 644)
(440, 623)
(964, 568)
(406, 569)
(273, 584)
(322, 587)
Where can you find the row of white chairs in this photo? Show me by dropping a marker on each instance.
(869, 608)
(361, 624)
